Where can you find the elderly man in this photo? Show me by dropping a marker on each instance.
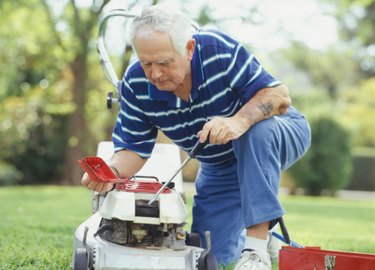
(207, 86)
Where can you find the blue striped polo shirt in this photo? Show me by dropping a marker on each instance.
(224, 77)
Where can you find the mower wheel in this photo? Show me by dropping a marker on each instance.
(81, 259)
(193, 239)
(207, 261)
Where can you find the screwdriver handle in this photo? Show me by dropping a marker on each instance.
(198, 147)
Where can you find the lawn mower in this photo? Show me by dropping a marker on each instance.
(138, 225)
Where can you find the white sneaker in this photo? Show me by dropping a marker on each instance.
(253, 260)
(273, 247)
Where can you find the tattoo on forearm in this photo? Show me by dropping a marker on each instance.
(266, 108)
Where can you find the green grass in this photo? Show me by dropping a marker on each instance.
(331, 223)
(37, 224)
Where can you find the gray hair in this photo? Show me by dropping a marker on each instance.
(160, 18)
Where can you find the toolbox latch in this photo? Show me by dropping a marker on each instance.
(329, 262)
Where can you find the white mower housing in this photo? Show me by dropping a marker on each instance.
(125, 232)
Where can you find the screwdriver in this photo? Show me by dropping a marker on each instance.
(196, 149)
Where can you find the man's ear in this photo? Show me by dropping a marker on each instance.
(190, 47)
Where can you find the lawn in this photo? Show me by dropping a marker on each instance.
(37, 224)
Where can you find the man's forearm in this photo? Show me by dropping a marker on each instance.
(265, 104)
(127, 163)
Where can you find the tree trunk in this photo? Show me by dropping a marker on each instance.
(77, 128)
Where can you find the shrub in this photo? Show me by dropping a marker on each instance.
(327, 165)
(8, 174)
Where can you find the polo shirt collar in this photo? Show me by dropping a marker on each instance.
(156, 94)
(196, 71)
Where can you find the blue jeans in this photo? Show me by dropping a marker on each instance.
(243, 192)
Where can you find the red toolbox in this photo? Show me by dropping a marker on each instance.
(314, 258)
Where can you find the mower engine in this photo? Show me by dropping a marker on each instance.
(130, 232)
(128, 219)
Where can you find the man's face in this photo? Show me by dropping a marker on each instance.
(163, 65)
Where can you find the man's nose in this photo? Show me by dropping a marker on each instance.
(155, 72)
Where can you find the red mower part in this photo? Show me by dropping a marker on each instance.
(292, 258)
(99, 171)
(138, 186)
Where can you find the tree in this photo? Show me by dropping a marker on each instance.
(50, 87)
(51, 66)
(351, 60)
(357, 20)
(80, 23)
(357, 108)
(332, 69)
(26, 124)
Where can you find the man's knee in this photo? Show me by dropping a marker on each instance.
(263, 131)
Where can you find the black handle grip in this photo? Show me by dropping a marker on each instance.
(197, 148)
(284, 230)
(109, 100)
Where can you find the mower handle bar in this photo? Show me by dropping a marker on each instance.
(104, 59)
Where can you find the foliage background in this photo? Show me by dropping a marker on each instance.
(52, 90)
(53, 112)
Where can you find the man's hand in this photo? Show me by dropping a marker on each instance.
(95, 186)
(221, 130)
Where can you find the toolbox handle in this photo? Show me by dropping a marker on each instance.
(291, 243)
(285, 235)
